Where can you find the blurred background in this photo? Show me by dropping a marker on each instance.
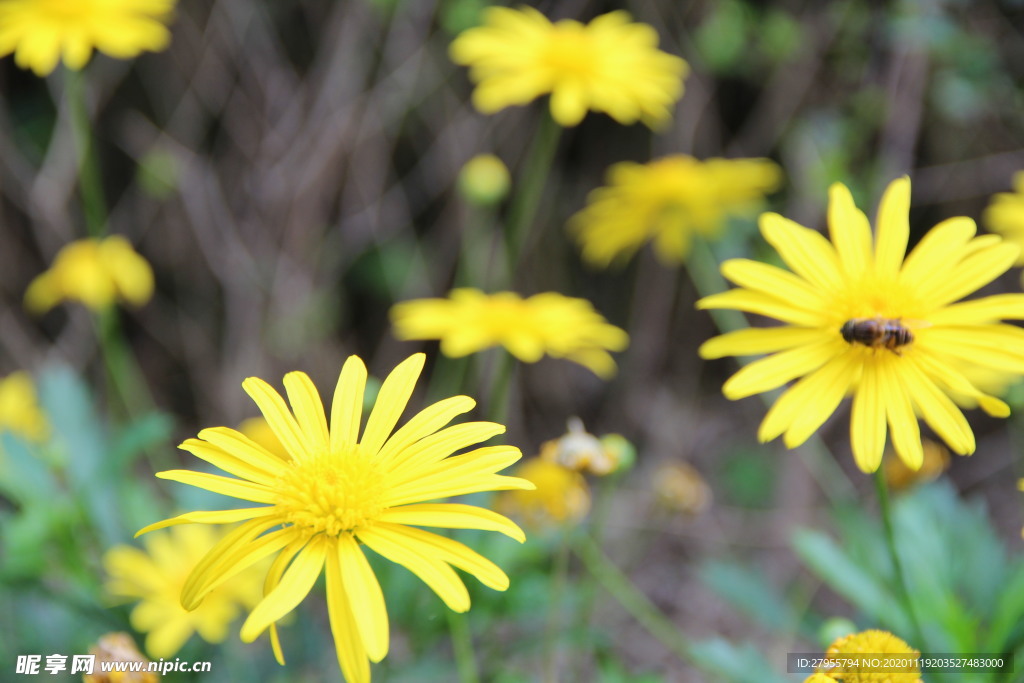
(290, 171)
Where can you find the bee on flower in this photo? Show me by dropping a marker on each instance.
(928, 334)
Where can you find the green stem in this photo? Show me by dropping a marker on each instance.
(636, 603)
(558, 590)
(497, 403)
(703, 269)
(882, 488)
(462, 645)
(602, 506)
(530, 188)
(90, 183)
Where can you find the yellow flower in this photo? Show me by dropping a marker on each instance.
(338, 492)
(469, 321)
(679, 487)
(667, 201)
(876, 644)
(935, 462)
(94, 272)
(19, 408)
(1006, 214)
(40, 32)
(561, 494)
(155, 577)
(611, 65)
(118, 647)
(842, 296)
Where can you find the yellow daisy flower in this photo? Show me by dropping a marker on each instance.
(861, 319)
(667, 201)
(873, 644)
(19, 408)
(156, 576)
(561, 494)
(469, 321)
(1006, 214)
(96, 272)
(899, 477)
(41, 32)
(611, 65)
(820, 678)
(339, 491)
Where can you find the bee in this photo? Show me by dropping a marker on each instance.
(878, 333)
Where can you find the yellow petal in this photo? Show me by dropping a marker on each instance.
(445, 550)
(973, 273)
(228, 462)
(425, 423)
(391, 401)
(236, 488)
(805, 251)
(240, 445)
(209, 517)
(441, 444)
(938, 410)
(763, 304)
(365, 598)
(850, 230)
(758, 340)
(988, 309)
(441, 578)
(996, 346)
(775, 370)
(906, 433)
(812, 400)
(309, 409)
(893, 228)
(772, 281)
(934, 256)
(347, 643)
(453, 516)
(278, 416)
(867, 421)
(347, 406)
(295, 585)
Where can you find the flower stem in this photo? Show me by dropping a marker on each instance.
(532, 182)
(90, 184)
(462, 645)
(882, 487)
(558, 590)
(636, 603)
(497, 402)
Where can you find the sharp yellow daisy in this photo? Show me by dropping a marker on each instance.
(610, 65)
(469, 321)
(667, 202)
(859, 318)
(41, 32)
(338, 491)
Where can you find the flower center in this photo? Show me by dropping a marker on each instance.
(332, 493)
(569, 52)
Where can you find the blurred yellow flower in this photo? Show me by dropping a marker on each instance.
(679, 487)
(581, 451)
(155, 577)
(484, 180)
(118, 647)
(469, 321)
(96, 272)
(1006, 214)
(861, 319)
(41, 32)
(874, 643)
(19, 407)
(610, 65)
(668, 201)
(561, 495)
(935, 462)
(337, 494)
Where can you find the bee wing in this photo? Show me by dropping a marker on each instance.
(913, 324)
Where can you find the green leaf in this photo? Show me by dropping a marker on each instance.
(748, 592)
(734, 663)
(831, 563)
